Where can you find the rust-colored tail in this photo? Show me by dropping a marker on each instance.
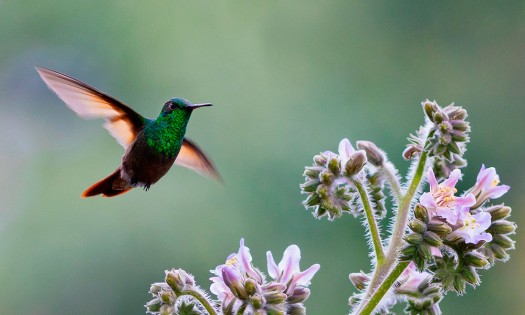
(105, 187)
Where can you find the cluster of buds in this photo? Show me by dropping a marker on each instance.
(329, 182)
(242, 289)
(455, 236)
(421, 293)
(169, 297)
(444, 137)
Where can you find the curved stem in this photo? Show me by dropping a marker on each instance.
(374, 230)
(204, 302)
(383, 288)
(390, 172)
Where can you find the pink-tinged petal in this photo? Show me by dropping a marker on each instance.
(448, 214)
(432, 181)
(497, 191)
(467, 201)
(485, 176)
(452, 180)
(345, 150)
(245, 259)
(289, 265)
(273, 270)
(428, 201)
(484, 220)
(303, 278)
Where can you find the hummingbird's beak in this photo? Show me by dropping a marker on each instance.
(194, 106)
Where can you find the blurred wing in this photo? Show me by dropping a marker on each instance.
(122, 122)
(192, 157)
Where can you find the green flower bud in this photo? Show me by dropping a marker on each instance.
(311, 185)
(413, 238)
(424, 252)
(459, 284)
(432, 239)
(470, 275)
(312, 200)
(334, 166)
(166, 309)
(503, 241)
(502, 227)
(421, 213)
(312, 172)
(417, 226)
(499, 212)
(326, 177)
(153, 305)
(250, 286)
(439, 227)
(499, 252)
(168, 297)
(475, 259)
(257, 301)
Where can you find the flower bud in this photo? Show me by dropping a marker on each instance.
(359, 280)
(499, 252)
(439, 227)
(166, 309)
(430, 108)
(502, 227)
(320, 160)
(475, 259)
(177, 279)
(275, 297)
(310, 185)
(424, 251)
(250, 286)
(432, 238)
(503, 240)
(334, 166)
(168, 297)
(421, 213)
(296, 309)
(312, 171)
(232, 279)
(470, 275)
(153, 305)
(326, 177)
(257, 301)
(413, 238)
(459, 284)
(374, 155)
(498, 212)
(410, 151)
(417, 226)
(355, 163)
(299, 295)
(155, 288)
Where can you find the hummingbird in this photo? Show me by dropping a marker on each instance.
(151, 145)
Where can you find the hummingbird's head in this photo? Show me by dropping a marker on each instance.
(178, 104)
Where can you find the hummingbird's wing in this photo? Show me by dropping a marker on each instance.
(192, 157)
(122, 122)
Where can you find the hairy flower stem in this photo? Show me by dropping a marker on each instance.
(369, 307)
(202, 300)
(372, 224)
(386, 267)
(390, 172)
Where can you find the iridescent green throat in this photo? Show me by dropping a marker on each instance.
(165, 134)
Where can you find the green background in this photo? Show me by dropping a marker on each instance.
(288, 79)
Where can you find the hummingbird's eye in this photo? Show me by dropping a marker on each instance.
(173, 106)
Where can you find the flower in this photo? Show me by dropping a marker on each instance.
(289, 273)
(441, 201)
(474, 226)
(487, 186)
(243, 289)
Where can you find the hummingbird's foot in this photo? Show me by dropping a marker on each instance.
(133, 182)
(146, 187)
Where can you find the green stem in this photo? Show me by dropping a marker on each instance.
(404, 207)
(374, 230)
(389, 170)
(383, 288)
(204, 302)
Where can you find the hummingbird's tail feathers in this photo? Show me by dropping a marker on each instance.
(105, 187)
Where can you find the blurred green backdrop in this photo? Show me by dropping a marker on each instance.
(289, 79)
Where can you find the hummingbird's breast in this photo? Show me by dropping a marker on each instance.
(144, 164)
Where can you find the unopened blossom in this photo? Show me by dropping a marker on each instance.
(441, 200)
(487, 186)
(473, 229)
(289, 273)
